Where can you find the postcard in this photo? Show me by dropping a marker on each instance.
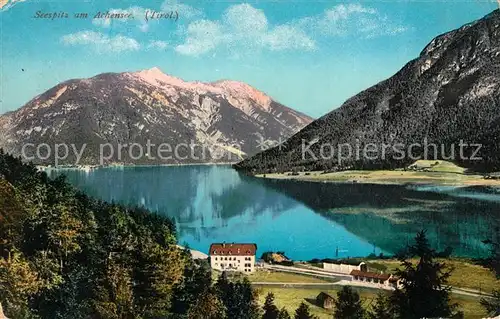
(196, 159)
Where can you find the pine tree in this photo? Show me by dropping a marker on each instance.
(196, 281)
(303, 312)
(18, 282)
(63, 232)
(119, 284)
(238, 297)
(270, 309)
(492, 305)
(161, 270)
(382, 309)
(493, 261)
(424, 292)
(208, 306)
(348, 304)
(249, 300)
(283, 314)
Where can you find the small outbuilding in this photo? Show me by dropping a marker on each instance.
(325, 301)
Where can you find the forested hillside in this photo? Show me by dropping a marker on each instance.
(449, 94)
(65, 255)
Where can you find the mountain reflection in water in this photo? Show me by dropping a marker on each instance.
(304, 219)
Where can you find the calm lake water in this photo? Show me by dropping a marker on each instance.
(306, 220)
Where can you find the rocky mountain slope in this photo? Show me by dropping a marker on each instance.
(451, 92)
(197, 122)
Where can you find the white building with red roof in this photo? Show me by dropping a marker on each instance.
(233, 257)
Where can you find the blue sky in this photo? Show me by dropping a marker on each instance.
(309, 55)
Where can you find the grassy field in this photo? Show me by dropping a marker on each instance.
(421, 172)
(271, 276)
(290, 299)
(438, 166)
(276, 276)
(465, 274)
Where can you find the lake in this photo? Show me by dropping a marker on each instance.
(305, 220)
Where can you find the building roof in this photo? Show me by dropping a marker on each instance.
(232, 249)
(324, 294)
(372, 275)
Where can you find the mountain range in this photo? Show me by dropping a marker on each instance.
(449, 94)
(106, 115)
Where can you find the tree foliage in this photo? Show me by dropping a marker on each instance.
(270, 309)
(18, 283)
(348, 304)
(195, 280)
(382, 308)
(238, 297)
(493, 260)
(424, 291)
(303, 312)
(208, 306)
(283, 314)
(65, 255)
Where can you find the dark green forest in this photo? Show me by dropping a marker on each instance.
(65, 255)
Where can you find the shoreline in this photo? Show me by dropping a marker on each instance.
(376, 177)
(93, 167)
(387, 177)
